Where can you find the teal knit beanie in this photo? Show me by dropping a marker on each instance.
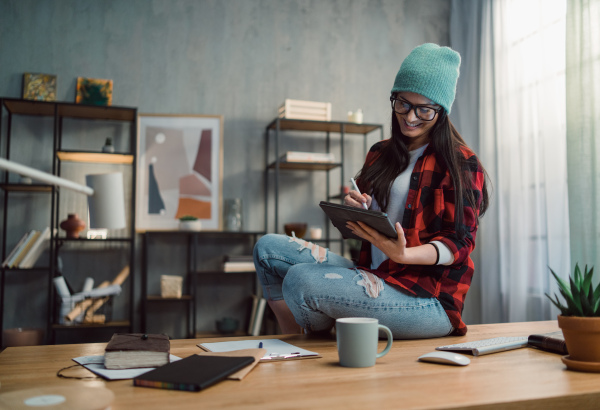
(432, 71)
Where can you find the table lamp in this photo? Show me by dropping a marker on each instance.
(105, 193)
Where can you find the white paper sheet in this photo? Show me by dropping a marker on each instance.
(95, 364)
(276, 349)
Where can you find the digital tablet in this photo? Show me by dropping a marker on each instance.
(340, 214)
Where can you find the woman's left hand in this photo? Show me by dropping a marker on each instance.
(393, 248)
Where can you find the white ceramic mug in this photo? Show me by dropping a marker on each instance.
(357, 339)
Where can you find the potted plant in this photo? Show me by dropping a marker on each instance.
(189, 223)
(579, 318)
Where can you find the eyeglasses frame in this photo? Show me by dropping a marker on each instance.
(413, 107)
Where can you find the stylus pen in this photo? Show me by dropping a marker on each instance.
(358, 190)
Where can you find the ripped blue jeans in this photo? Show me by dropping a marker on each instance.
(319, 286)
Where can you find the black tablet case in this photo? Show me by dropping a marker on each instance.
(193, 373)
(340, 214)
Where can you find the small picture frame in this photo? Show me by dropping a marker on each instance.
(94, 91)
(39, 87)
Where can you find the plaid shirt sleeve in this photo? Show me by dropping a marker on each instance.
(429, 216)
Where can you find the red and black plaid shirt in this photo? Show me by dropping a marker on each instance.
(429, 216)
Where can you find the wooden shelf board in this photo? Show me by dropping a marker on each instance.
(96, 157)
(204, 233)
(325, 126)
(26, 187)
(308, 166)
(158, 298)
(70, 110)
(64, 239)
(124, 323)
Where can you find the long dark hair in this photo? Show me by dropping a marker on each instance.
(377, 178)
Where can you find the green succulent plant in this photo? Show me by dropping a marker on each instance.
(580, 296)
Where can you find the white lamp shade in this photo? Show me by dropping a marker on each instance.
(107, 204)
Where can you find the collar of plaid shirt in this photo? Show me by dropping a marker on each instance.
(429, 216)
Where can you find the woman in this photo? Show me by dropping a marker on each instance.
(428, 181)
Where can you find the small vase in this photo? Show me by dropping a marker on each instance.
(190, 225)
(72, 226)
(108, 146)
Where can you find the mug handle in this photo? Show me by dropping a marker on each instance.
(390, 339)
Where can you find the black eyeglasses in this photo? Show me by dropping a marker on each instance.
(423, 112)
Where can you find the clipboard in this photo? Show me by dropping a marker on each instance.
(340, 214)
(275, 349)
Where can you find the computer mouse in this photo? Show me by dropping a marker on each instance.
(442, 357)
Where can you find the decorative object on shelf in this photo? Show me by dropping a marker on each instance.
(298, 228)
(179, 170)
(189, 223)
(83, 307)
(305, 110)
(297, 156)
(315, 232)
(233, 220)
(227, 325)
(356, 117)
(170, 286)
(108, 146)
(72, 226)
(580, 319)
(94, 91)
(39, 87)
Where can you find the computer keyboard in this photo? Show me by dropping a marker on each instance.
(487, 346)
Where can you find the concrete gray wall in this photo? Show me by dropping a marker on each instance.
(236, 58)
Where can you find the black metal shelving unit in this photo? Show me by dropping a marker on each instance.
(59, 111)
(194, 268)
(274, 164)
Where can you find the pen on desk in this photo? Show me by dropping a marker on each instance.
(357, 190)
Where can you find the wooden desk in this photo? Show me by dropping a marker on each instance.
(523, 378)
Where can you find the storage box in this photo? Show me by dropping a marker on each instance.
(170, 286)
(305, 110)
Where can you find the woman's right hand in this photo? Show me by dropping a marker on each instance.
(357, 200)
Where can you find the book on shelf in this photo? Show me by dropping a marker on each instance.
(23, 249)
(136, 350)
(239, 263)
(193, 373)
(551, 342)
(297, 156)
(13, 254)
(37, 247)
(256, 315)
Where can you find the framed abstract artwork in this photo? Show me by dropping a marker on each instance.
(40, 87)
(93, 91)
(179, 171)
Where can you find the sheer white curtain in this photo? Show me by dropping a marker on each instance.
(523, 147)
(583, 129)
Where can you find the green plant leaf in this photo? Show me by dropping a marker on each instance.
(587, 302)
(563, 309)
(587, 278)
(576, 277)
(562, 284)
(575, 291)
